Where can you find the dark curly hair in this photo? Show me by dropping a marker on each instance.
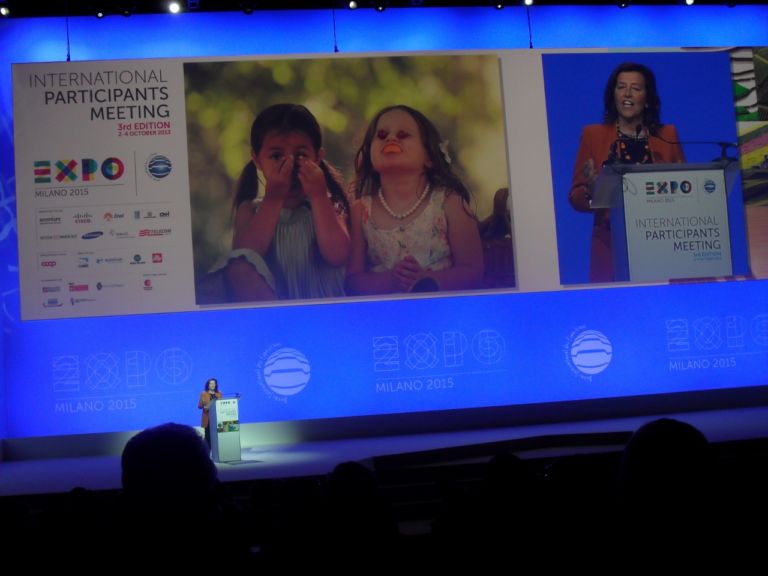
(367, 180)
(652, 112)
(284, 119)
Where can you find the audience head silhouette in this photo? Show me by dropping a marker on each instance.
(168, 467)
(666, 465)
(351, 484)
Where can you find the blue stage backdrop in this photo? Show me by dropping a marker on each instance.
(372, 358)
(359, 359)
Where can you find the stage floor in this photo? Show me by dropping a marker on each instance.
(52, 475)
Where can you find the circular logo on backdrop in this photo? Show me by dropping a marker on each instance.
(709, 186)
(588, 352)
(158, 166)
(286, 372)
(174, 366)
(488, 346)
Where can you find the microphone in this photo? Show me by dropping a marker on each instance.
(723, 145)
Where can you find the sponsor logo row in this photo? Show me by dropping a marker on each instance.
(92, 224)
(66, 262)
(94, 234)
(61, 216)
(107, 234)
(58, 293)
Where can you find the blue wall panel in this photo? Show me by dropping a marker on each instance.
(368, 358)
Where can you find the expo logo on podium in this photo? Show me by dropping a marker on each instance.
(668, 187)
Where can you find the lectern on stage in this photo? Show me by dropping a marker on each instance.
(668, 221)
(225, 429)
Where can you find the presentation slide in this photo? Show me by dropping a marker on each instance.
(140, 185)
(136, 214)
(150, 207)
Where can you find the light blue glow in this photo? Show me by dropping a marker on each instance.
(114, 374)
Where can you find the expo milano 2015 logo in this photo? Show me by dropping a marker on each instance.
(282, 372)
(588, 352)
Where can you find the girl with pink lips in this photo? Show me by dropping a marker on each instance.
(631, 133)
(411, 226)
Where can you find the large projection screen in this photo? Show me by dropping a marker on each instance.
(123, 206)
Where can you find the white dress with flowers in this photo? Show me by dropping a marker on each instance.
(425, 238)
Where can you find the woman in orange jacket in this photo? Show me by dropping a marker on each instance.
(207, 396)
(631, 133)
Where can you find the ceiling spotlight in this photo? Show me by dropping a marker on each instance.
(528, 2)
(174, 7)
(352, 4)
(689, 2)
(498, 5)
(125, 8)
(248, 7)
(99, 14)
(5, 11)
(623, 3)
(380, 7)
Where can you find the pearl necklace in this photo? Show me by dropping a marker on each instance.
(411, 210)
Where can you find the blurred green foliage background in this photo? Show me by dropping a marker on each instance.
(461, 94)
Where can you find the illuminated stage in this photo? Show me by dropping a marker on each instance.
(274, 461)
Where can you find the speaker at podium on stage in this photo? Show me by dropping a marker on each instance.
(209, 395)
(631, 133)
(656, 217)
(224, 428)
